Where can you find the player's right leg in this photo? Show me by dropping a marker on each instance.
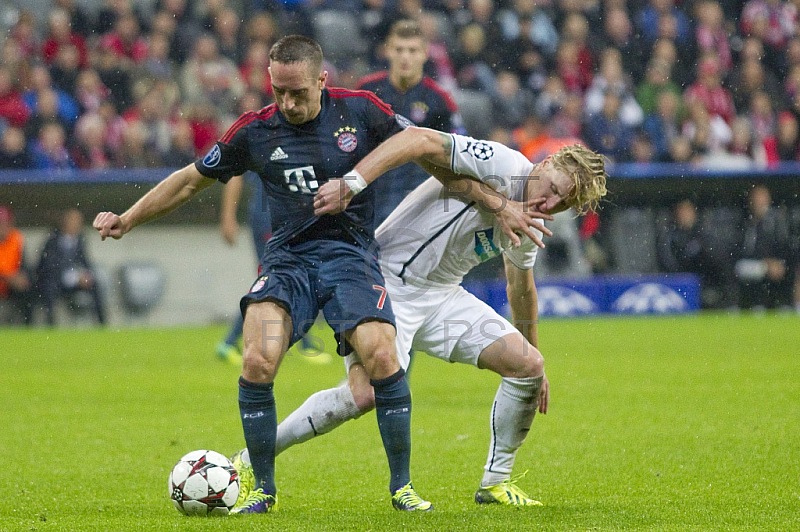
(267, 333)
(522, 367)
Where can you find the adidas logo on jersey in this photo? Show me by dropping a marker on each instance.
(278, 154)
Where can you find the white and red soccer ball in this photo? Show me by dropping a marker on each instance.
(204, 483)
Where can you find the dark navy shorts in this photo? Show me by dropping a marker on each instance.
(342, 280)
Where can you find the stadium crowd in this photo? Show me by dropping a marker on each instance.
(145, 84)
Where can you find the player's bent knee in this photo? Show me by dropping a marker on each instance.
(256, 367)
(364, 397)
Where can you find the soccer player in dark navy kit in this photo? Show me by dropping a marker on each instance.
(411, 94)
(312, 134)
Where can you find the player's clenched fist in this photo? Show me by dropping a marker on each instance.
(108, 224)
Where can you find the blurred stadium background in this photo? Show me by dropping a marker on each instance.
(693, 101)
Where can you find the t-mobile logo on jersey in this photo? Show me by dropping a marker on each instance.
(484, 246)
(301, 179)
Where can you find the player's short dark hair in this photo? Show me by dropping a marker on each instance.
(406, 29)
(297, 49)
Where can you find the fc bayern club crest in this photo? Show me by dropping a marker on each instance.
(347, 142)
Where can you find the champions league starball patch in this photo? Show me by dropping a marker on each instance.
(213, 157)
(480, 150)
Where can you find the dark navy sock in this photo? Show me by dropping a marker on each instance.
(260, 424)
(393, 407)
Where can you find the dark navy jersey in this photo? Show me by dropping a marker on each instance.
(293, 161)
(427, 105)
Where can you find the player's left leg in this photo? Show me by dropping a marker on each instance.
(522, 389)
(374, 341)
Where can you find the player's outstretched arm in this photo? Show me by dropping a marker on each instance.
(524, 304)
(168, 195)
(411, 144)
(231, 194)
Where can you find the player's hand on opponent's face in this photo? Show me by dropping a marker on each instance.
(517, 218)
(544, 395)
(108, 224)
(333, 197)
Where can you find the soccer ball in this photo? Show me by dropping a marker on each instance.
(204, 483)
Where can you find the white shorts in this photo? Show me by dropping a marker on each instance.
(447, 323)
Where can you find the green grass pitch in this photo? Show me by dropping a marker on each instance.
(676, 423)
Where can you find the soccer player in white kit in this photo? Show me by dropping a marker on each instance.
(428, 243)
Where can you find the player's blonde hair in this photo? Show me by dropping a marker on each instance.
(587, 170)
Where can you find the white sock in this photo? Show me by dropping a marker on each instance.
(321, 413)
(512, 414)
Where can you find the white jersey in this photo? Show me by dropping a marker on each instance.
(433, 239)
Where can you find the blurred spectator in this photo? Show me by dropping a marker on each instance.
(766, 20)
(49, 102)
(657, 81)
(649, 21)
(683, 246)
(187, 28)
(115, 125)
(681, 151)
(711, 34)
(612, 78)
(60, 34)
(182, 150)
(663, 125)
(65, 270)
(576, 29)
(605, 133)
(709, 92)
(25, 36)
(618, 33)
(439, 62)
(761, 269)
(79, 19)
(511, 103)
(751, 76)
(568, 121)
(158, 64)
(14, 150)
(90, 91)
(66, 68)
(46, 111)
(126, 41)
(152, 113)
(12, 106)
(642, 150)
(532, 135)
(91, 151)
(133, 151)
(226, 26)
(15, 283)
(472, 69)
(253, 70)
(49, 149)
(575, 74)
(208, 77)
(708, 133)
(762, 117)
(788, 137)
(529, 16)
(116, 76)
(746, 146)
